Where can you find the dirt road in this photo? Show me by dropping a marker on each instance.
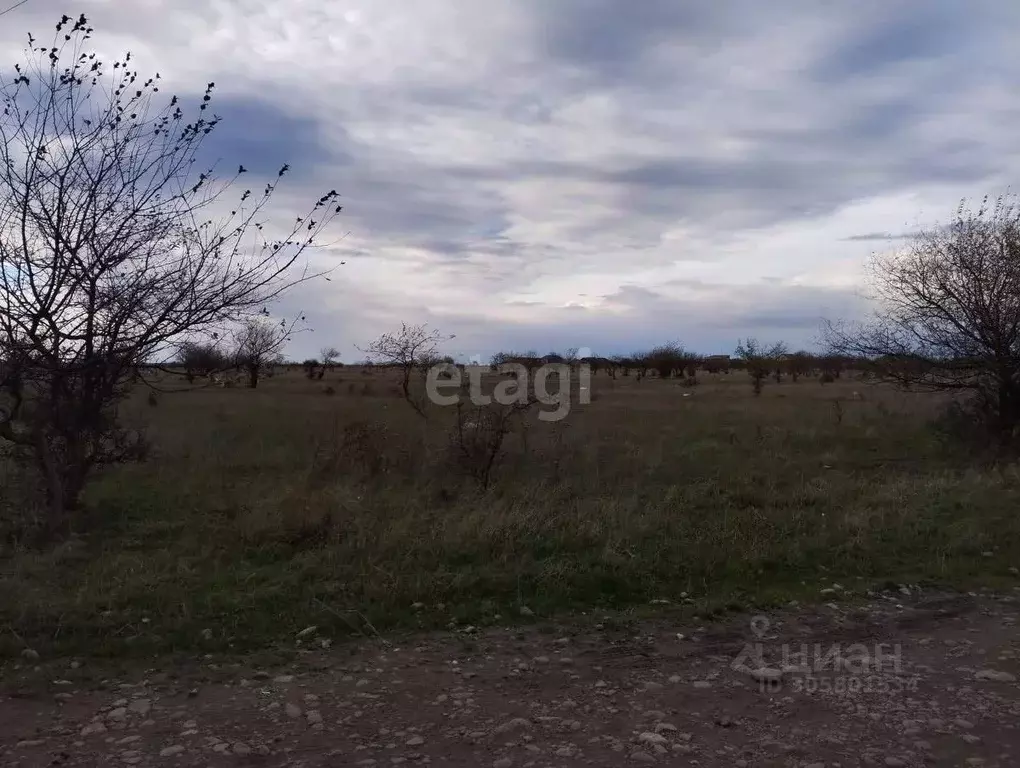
(922, 679)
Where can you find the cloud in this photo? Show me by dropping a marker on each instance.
(870, 236)
(589, 173)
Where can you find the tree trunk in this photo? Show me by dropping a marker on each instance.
(253, 376)
(1008, 414)
(64, 473)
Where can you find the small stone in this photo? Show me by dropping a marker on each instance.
(313, 717)
(306, 632)
(641, 757)
(292, 710)
(173, 749)
(651, 738)
(30, 654)
(894, 762)
(503, 762)
(93, 728)
(240, 748)
(119, 713)
(415, 741)
(701, 684)
(140, 706)
(995, 675)
(526, 611)
(518, 723)
(767, 674)
(283, 679)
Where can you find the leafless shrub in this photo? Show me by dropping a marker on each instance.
(359, 448)
(201, 359)
(479, 437)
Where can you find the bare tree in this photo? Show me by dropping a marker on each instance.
(412, 350)
(259, 345)
(759, 360)
(799, 364)
(778, 354)
(329, 356)
(948, 315)
(112, 250)
(201, 359)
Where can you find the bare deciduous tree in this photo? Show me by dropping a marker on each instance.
(948, 314)
(201, 359)
(258, 344)
(759, 360)
(329, 356)
(112, 250)
(412, 350)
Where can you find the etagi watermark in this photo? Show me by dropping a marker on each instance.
(445, 385)
(842, 670)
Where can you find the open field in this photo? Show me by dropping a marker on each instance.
(261, 512)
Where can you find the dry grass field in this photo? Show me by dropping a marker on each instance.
(261, 512)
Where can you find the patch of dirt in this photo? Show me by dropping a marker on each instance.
(918, 680)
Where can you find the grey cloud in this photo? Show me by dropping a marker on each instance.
(898, 35)
(878, 99)
(868, 236)
(263, 136)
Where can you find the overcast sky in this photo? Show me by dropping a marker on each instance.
(547, 174)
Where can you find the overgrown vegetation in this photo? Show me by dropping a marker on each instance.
(269, 510)
(345, 497)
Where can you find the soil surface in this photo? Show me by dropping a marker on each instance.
(918, 679)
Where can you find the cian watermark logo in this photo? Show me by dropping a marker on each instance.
(844, 669)
(445, 385)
